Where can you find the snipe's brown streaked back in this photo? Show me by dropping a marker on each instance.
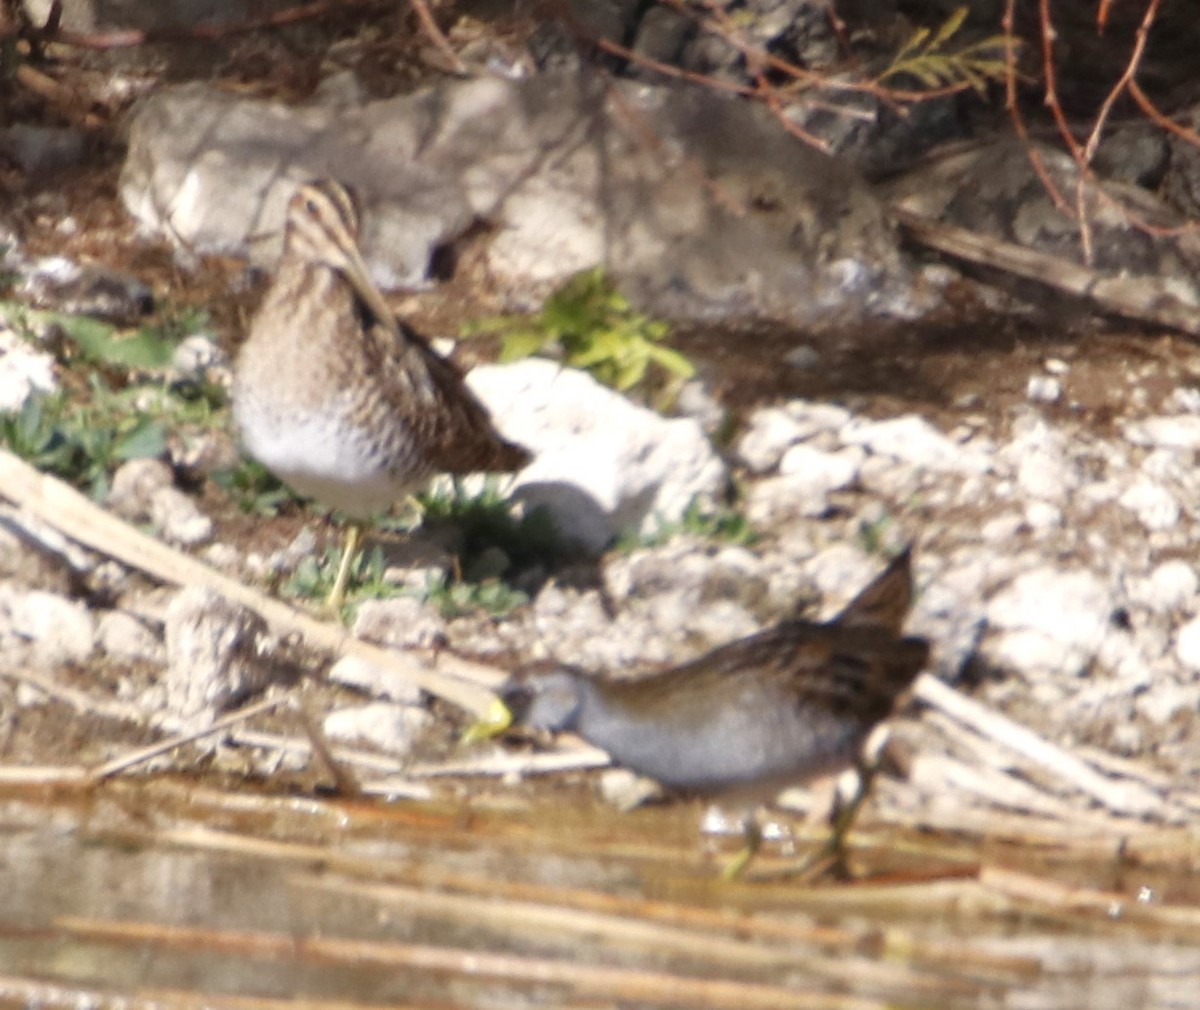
(336, 396)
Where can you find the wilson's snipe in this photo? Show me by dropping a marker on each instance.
(337, 397)
(789, 704)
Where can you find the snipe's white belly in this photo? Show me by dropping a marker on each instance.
(326, 458)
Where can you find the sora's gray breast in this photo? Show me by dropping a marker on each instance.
(746, 740)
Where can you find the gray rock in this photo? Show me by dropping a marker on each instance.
(775, 501)
(625, 790)
(986, 188)
(573, 627)
(215, 656)
(890, 479)
(91, 289)
(390, 728)
(696, 401)
(42, 149)
(601, 463)
(1042, 516)
(840, 571)
(401, 622)
(144, 490)
(301, 546)
(723, 215)
(120, 635)
(134, 485)
(826, 471)
(1039, 456)
(1163, 702)
(43, 629)
(685, 593)
(813, 418)
(198, 356)
(374, 680)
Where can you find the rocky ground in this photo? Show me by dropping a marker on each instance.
(1047, 485)
(1041, 462)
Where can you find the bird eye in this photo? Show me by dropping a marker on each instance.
(310, 205)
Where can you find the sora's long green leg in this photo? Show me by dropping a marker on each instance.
(847, 815)
(751, 842)
(835, 845)
(337, 595)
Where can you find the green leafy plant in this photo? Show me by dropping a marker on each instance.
(81, 442)
(926, 57)
(596, 329)
(874, 534)
(487, 521)
(83, 434)
(454, 597)
(458, 599)
(493, 542)
(254, 488)
(722, 524)
(314, 576)
(147, 347)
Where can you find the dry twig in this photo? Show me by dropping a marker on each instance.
(459, 681)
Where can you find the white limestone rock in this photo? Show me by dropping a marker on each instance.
(1187, 645)
(914, 440)
(1039, 456)
(43, 629)
(121, 635)
(827, 471)
(216, 656)
(1181, 432)
(1171, 587)
(24, 370)
(770, 433)
(388, 727)
(143, 490)
(1049, 620)
(602, 464)
(401, 622)
(1154, 506)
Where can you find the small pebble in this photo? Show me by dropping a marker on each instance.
(1043, 389)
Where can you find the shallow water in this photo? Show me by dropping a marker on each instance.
(169, 892)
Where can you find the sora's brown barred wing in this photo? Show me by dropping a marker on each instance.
(855, 674)
(863, 677)
(885, 601)
(767, 662)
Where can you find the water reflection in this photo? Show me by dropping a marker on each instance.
(157, 888)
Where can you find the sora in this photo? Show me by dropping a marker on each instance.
(781, 707)
(337, 397)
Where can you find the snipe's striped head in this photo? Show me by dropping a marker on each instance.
(322, 222)
(322, 229)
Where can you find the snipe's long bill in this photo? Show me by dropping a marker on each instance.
(781, 707)
(337, 397)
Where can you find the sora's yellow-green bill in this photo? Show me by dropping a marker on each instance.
(496, 720)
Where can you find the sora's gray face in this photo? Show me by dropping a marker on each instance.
(549, 701)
